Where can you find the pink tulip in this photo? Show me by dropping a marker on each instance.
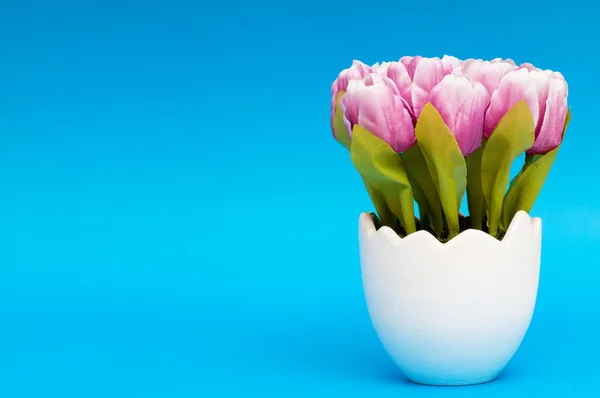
(357, 71)
(375, 104)
(400, 76)
(557, 75)
(548, 72)
(381, 69)
(462, 102)
(553, 113)
(528, 66)
(546, 96)
(487, 73)
(415, 77)
(451, 63)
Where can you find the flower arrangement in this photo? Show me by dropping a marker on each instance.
(426, 130)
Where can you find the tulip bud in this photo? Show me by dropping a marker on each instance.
(357, 71)
(487, 73)
(381, 69)
(548, 72)
(451, 63)
(546, 96)
(415, 77)
(375, 104)
(462, 102)
(528, 66)
(551, 126)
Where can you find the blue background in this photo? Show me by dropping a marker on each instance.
(177, 221)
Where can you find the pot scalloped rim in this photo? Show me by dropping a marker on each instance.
(451, 313)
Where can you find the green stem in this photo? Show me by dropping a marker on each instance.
(475, 197)
(424, 189)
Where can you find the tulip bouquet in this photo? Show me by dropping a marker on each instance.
(426, 130)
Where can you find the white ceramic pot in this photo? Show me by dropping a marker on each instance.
(451, 313)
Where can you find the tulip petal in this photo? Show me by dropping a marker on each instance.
(350, 103)
(514, 87)
(541, 81)
(507, 60)
(528, 66)
(487, 73)
(383, 114)
(449, 96)
(551, 131)
(375, 104)
(468, 128)
(450, 63)
(462, 106)
(428, 73)
(357, 71)
(381, 69)
(375, 79)
(557, 75)
(410, 63)
(400, 76)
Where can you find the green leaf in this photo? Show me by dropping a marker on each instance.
(385, 214)
(339, 129)
(425, 191)
(513, 136)
(381, 167)
(475, 197)
(526, 186)
(445, 163)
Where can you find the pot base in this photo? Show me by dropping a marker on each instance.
(439, 382)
